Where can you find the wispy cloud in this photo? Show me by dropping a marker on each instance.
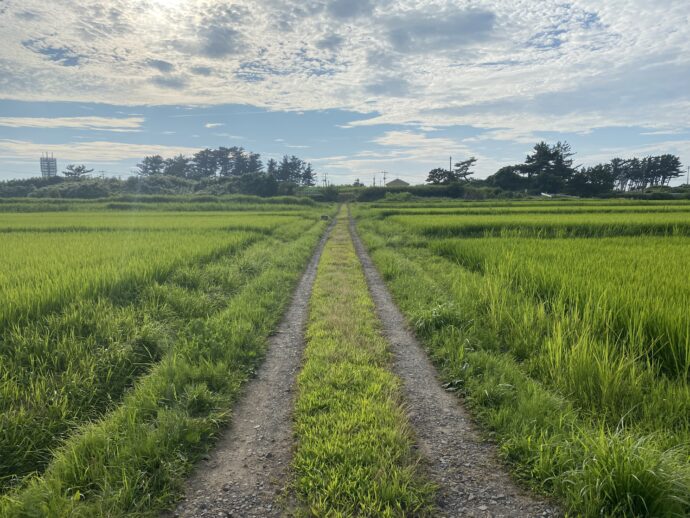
(214, 124)
(430, 62)
(96, 152)
(87, 123)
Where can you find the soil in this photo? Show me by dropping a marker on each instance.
(472, 480)
(245, 474)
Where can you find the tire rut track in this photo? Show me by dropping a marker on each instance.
(246, 472)
(471, 479)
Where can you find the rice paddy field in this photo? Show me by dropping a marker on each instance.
(124, 338)
(129, 328)
(566, 328)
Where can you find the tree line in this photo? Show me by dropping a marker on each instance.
(550, 169)
(232, 162)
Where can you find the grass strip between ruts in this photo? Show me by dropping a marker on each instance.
(354, 455)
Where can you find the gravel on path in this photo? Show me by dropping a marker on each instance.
(246, 472)
(472, 481)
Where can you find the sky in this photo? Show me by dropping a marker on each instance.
(356, 87)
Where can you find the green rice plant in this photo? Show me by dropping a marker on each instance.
(575, 410)
(85, 346)
(527, 224)
(133, 460)
(628, 290)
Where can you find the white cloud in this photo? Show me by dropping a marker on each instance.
(515, 68)
(406, 154)
(94, 152)
(87, 123)
(213, 124)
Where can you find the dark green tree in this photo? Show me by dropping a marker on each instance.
(254, 163)
(284, 171)
(259, 184)
(204, 164)
(272, 168)
(177, 166)
(151, 166)
(550, 167)
(239, 160)
(76, 172)
(463, 170)
(308, 175)
(509, 179)
(592, 181)
(224, 161)
(440, 176)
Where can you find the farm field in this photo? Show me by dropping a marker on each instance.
(124, 338)
(127, 337)
(567, 333)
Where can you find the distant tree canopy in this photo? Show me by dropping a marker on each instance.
(550, 169)
(151, 165)
(232, 162)
(439, 176)
(461, 172)
(76, 172)
(651, 171)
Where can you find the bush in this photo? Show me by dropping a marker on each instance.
(84, 189)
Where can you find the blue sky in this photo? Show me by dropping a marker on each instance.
(354, 86)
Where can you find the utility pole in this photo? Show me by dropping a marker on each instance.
(687, 178)
(384, 178)
(374, 179)
(450, 164)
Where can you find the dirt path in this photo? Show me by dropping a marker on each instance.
(472, 481)
(244, 475)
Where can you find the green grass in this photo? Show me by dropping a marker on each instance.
(532, 332)
(354, 453)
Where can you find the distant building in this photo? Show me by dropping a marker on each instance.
(48, 166)
(397, 183)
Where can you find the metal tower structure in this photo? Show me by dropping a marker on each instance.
(48, 166)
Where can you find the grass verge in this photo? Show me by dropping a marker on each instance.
(354, 455)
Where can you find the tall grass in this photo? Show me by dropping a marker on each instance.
(64, 369)
(51, 261)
